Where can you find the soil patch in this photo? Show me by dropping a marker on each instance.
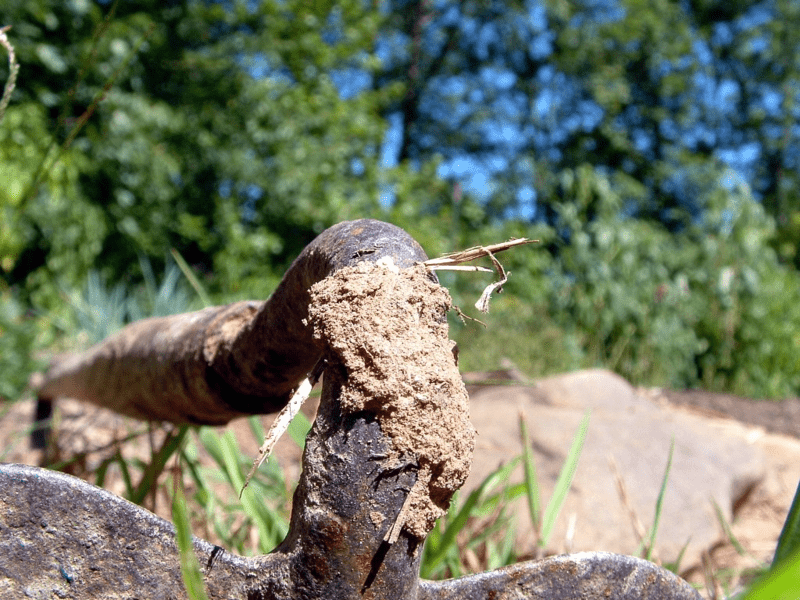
(774, 416)
(388, 328)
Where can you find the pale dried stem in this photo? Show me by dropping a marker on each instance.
(394, 531)
(638, 527)
(13, 69)
(471, 268)
(483, 302)
(282, 421)
(476, 252)
(452, 261)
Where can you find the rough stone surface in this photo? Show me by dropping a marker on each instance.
(710, 462)
(585, 575)
(63, 538)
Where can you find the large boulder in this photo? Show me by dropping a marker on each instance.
(628, 441)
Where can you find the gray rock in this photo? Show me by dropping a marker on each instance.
(711, 462)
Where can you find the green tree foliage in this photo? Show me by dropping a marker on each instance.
(211, 128)
(656, 90)
(699, 307)
(685, 307)
(651, 146)
(656, 144)
(183, 147)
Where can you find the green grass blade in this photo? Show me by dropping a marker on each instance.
(503, 552)
(102, 470)
(271, 526)
(190, 463)
(191, 278)
(789, 540)
(210, 441)
(780, 583)
(257, 429)
(230, 459)
(675, 566)
(531, 478)
(660, 501)
(298, 429)
(453, 563)
(564, 482)
(126, 474)
(727, 529)
(189, 459)
(159, 460)
(433, 541)
(190, 568)
(438, 551)
(508, 494)
(149, 278)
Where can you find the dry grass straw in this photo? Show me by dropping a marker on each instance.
(13, 70)
(453, 260)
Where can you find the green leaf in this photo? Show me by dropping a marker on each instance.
(782, 582)
(563, 482)
(789, 540)
(190, 568)
(531, 479)
(191, 278)
(126, 474)
(727, 529)
(157, 463)
(441, 546)
(298, 429)
(660, 501)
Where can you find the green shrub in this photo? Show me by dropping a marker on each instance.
(707, 306)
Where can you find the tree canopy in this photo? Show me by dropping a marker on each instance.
(667, 97)
(651, 145)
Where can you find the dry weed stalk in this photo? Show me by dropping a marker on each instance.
(453, 260)
(638, 527)
(284, 418)
(13, 70)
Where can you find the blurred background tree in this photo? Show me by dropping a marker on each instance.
(651, 145)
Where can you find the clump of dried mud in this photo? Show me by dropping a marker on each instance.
(389, 330)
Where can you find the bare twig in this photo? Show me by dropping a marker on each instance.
(462, 315)
(394, 531)
(45, 165)
(13, 69)
(281, 422)
(90, 61)
(457, 268)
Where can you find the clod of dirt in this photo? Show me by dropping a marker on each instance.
(388, 328)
